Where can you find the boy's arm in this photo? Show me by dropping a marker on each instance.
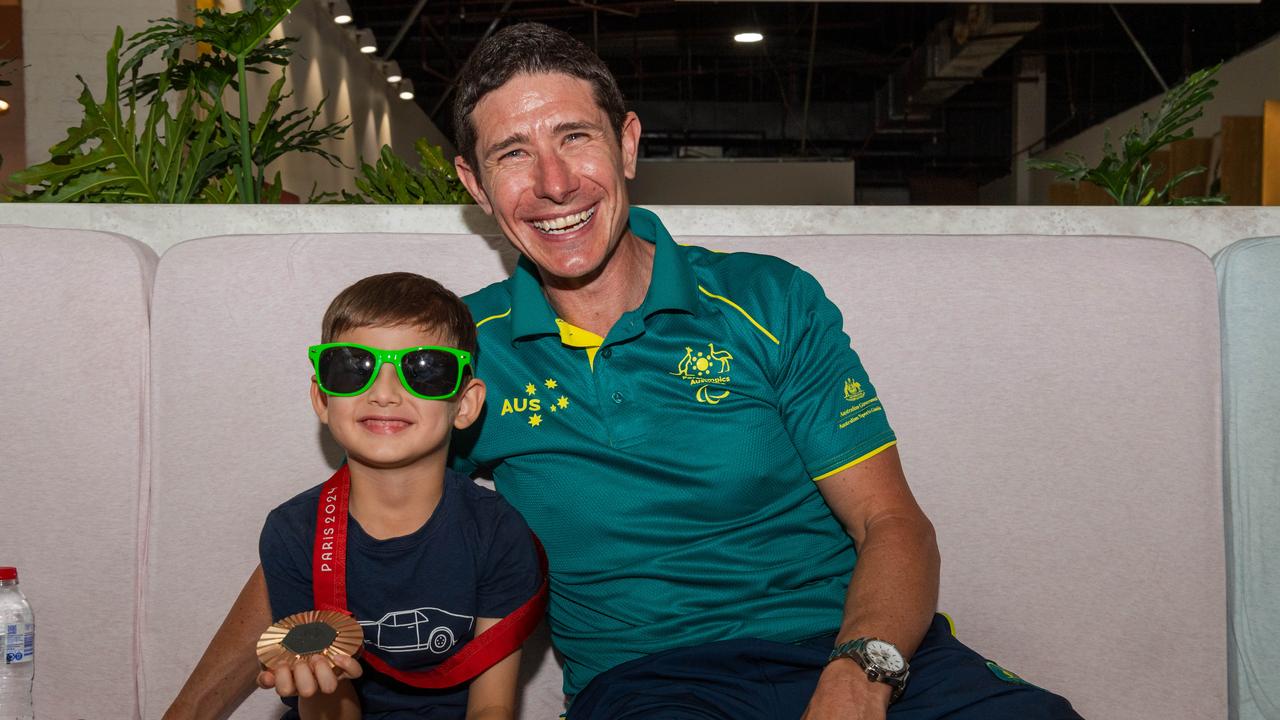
(493, 692)
(225, 675)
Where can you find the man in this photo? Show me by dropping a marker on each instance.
(672, 423)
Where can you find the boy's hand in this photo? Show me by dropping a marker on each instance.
(307, 676)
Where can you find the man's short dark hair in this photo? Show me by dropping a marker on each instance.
(400, 298)
(529, 48)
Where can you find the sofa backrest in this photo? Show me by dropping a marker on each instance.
(1249, 284)
(73, 316)
(1056, 399)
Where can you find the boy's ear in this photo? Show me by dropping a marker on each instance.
(470, 401)
(319, 401)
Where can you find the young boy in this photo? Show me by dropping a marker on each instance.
(432, 559)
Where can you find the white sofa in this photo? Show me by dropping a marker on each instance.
(1057, 400)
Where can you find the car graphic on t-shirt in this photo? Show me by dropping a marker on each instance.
(425, 628)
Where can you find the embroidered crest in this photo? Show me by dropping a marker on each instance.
(707, 371)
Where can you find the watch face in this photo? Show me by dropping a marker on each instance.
(881, 654)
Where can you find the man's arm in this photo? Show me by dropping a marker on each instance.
(225, 675)
(493, 692)
(894, 590)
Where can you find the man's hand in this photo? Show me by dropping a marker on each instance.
(308, 676)
(845, 692)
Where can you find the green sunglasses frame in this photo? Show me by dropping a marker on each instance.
(394, 357)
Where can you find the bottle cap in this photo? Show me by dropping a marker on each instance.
(8, 573)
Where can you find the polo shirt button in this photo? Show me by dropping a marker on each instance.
(617, 397)
(606, 353)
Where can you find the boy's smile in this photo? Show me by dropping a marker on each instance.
(384, 424)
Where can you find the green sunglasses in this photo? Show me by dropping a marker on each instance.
(427, 372)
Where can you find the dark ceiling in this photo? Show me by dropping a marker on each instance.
(698, 92)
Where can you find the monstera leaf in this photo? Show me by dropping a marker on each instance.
(107, 158)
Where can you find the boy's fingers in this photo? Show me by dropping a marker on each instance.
(266, 679)
(304, 680)
(326, 680)
(284, 681)
(349, 666)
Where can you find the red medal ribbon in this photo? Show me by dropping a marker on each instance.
(329, 586)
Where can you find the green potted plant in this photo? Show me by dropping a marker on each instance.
(133, 146)
(1126, 173)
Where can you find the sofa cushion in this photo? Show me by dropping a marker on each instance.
(73, 315)
(1249, 283)
(234, 431)
(1056, 401)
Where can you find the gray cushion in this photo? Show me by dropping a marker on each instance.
(1249, 280)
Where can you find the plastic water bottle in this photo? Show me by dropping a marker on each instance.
(17, 645)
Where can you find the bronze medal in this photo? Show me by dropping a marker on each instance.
(314, 632)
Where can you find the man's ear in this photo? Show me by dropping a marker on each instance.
(470, 400)
(471, 181)
(319, 401)
(630, 140)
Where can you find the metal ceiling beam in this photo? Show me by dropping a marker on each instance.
(404, 28)
(1141, 50)
(489, 31)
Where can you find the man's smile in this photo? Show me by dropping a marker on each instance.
(565, 223)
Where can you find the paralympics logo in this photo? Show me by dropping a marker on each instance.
(707, 371)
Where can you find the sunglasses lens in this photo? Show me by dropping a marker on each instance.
(345, 369)
(432, 373)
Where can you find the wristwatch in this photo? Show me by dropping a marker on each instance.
(880, 659)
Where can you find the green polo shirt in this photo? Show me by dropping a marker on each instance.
(669, 468)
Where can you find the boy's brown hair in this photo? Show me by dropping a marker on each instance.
(400, 298)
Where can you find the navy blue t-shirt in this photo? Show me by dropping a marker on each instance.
(417, 596)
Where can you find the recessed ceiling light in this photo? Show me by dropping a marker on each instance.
(368, 44)
(4, 106)
(748, 37)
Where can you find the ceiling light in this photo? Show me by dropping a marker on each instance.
(341, 11)
(392, 69)
(406, 89)
(748, 37)
(365, 40)
(4, 106)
